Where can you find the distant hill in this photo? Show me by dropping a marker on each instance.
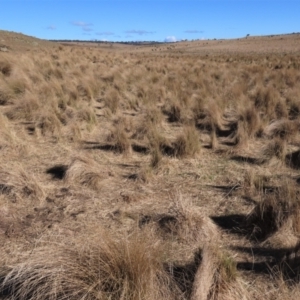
(12, 41)
(289, 43)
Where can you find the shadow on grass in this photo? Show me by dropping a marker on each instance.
(88, 145)
(276, 254)
(104, 147)
(58, 171)
(140, 148)
(293, 160)
(257, 267)
(249, 160)
(232, 223)
(277, 262)
(5, 189)
(228, 190)
(250, 226)
(184, 274)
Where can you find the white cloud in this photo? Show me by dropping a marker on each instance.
(87, 29)
(139, 32)
(84, 25)
(170, 39)
(105, 33)
(51, 27)
(81, 24)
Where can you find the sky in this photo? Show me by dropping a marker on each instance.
(149, 20)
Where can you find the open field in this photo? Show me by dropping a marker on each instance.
(164, 171)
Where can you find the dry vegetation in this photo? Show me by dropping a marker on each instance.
(150, 172)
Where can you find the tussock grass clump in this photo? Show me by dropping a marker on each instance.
(156, 157)
(146, 128)
(228, 268)
(85, 92)
(207, 114)
(118, 140)
(283, 129)
(183, 222)
(49, 124)
(153, 116)
(292, 103)
(112, 99)
(11, 141)
(25, 109)
(87, 115)
(275, 148)
(18, 86)
(173, 112)
(240, 138)
(156, 140)
(5, 68)
(84, 172)
(97, 267)
(251, 119)
(5, 95)
(73, 132)
(24, 185)
(265, 99)
(187, 144)
(254, 182)
(273, 211)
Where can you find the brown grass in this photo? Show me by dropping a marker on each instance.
(98, 268)
(186, 154)
(118, 140)
(187, 144)
(5, 68)
(84, 172)
(274, 210)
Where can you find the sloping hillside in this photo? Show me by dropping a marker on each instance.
(12, 41)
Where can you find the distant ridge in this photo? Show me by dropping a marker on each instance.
(290, 42)
(13, 41)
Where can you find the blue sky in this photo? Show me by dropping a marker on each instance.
(136, 20)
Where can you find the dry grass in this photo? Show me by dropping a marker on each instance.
(118, 140)
(84, 172)
(187, 155)
(97, 268)
(187, 144)
(274, 210)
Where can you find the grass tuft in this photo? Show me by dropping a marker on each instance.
(273, 211)
(187, 144)
(98, 268)
(5, 68)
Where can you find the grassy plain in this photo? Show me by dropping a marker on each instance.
(160, 171)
